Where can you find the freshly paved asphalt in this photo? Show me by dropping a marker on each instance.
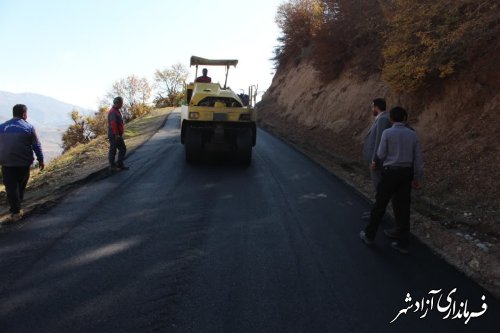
(218, 247)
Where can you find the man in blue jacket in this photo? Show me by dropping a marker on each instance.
(18, 141)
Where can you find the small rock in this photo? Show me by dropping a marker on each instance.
(482, 246)
(468, 237)
(474, 264)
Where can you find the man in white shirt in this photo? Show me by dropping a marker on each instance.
(400, 159)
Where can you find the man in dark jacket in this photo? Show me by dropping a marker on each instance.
(372, 140)
(18, 141)
(115, 136)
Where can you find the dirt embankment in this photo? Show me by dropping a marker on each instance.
(457, 213)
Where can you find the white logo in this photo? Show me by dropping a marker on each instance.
(453, 309)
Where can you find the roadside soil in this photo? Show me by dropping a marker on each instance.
(79, 165)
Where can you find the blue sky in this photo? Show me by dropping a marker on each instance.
(75, 50)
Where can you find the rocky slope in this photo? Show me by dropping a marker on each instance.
(457, 122)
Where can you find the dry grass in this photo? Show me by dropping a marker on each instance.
(80, 164)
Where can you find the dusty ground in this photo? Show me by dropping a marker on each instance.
(79, 165)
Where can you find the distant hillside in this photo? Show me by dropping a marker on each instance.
(43, 110)
(49, 116)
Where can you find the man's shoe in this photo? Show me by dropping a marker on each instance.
(391, 233)
(16, 216)
(123, 167)
(365, 238)
(114, 168)
(399, 248)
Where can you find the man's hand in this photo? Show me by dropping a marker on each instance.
(373, 166)
(41, 166)
(416, 184)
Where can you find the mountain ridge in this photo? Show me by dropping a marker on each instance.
(50, 117)
(43, 110)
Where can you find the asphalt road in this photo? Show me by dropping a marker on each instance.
(218, 247)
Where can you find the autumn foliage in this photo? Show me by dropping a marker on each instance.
(85, 128)
(411, 43)
(429, 39)
(136, 93)
(299, 21)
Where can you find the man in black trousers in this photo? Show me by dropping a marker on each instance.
(116, 129)
(400, 158)
(18, 141)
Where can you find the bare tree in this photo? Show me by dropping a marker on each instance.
(169, 84)
(135, 92)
